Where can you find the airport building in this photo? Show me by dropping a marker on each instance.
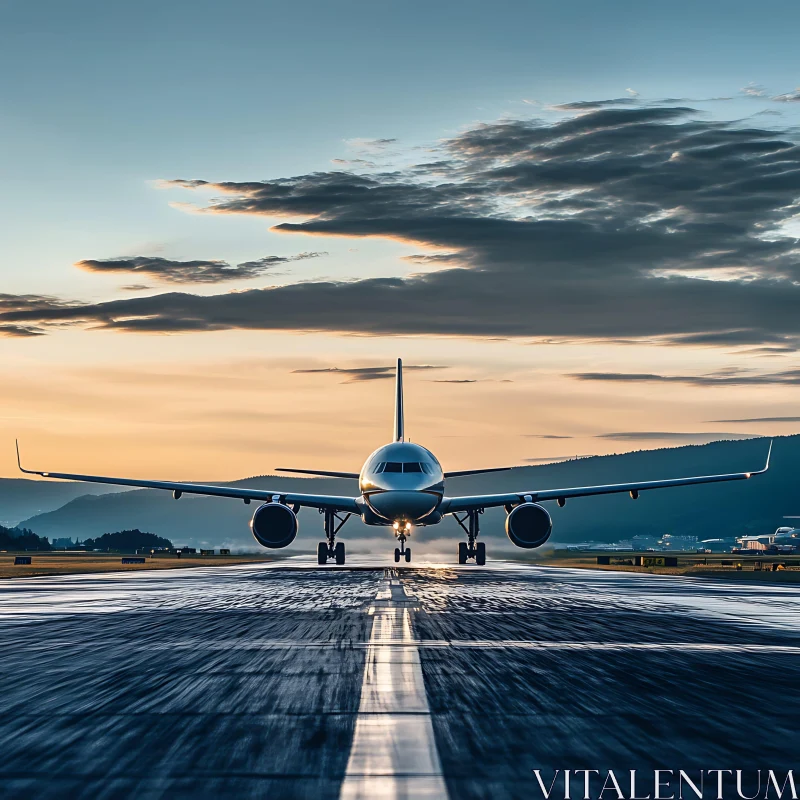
(784, 540)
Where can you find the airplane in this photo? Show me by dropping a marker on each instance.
(401, 486)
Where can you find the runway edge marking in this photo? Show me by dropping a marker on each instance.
(393, 754)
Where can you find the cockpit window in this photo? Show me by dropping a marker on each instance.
(405, 466)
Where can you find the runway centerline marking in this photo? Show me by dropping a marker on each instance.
(393, 754)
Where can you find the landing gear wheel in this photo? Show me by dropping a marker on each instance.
(408, 555)
(397, 555)
(322, 553)
(338, 553)
(462, 552)
(480, 553)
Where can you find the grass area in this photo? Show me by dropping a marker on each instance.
(77, 563)
(723, 565)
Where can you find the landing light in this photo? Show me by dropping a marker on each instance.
(396, 526)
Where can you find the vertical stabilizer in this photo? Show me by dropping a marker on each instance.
(399, 434)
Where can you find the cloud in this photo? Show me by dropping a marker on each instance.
(373, 143)
(359, 374)
(170, 271)
(670, 436)
(753, 90)
(456, 380)
(545, 436)
(591, 105)
(789, 97)
(735, 378)
(20, 331)
(760, 419)
(353, 162)
(634, 222)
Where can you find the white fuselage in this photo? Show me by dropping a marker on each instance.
(401, 484)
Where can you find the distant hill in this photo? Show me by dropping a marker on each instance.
(21, 498)
(741, 507)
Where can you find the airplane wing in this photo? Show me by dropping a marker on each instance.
(459, 473)
(332, 502)
(324, 472)
(470, 503)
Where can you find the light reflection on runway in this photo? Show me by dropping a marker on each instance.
(250, 680)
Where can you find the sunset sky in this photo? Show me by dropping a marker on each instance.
(577, 223)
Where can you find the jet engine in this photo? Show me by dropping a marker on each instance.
(274, 525)
(528, 525)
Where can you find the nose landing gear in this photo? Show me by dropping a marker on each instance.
(402, 551)
(331, 548)
(471, 548)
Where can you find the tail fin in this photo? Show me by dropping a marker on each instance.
(399, 434)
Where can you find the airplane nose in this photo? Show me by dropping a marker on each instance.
(412, 506)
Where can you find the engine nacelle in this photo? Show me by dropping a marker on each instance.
(274, 525)
(528, 525)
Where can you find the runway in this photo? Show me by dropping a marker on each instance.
(432, 680)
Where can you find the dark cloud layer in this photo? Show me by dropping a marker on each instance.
(171, 271)
(358, 374)
(760, 419)
(733, 378)
(21, 331)
(617, 223)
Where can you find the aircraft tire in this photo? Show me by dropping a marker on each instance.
(397, 555)
(338, 553)
(322, 553)
(480, 553)
(462, 552)
(408, 555)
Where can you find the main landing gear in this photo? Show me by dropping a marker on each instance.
(471, 548)
(402, 551)
(331, 548)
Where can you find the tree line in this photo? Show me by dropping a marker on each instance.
(121, 541)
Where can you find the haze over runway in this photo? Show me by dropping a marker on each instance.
(287, 680)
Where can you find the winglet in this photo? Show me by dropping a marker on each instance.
(22, 469)
(19, 462)
(766, 466)
(399, 434)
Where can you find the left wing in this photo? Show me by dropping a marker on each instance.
(332, 502)
(324, 472)
(453, 504)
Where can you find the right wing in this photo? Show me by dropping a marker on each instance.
(332, 502)
(471, 503)
(460, 473)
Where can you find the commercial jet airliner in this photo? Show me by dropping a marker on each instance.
(401, 486)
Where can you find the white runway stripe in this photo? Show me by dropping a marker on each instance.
(393, 754)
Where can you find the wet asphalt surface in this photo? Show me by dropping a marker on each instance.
(245, 681)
